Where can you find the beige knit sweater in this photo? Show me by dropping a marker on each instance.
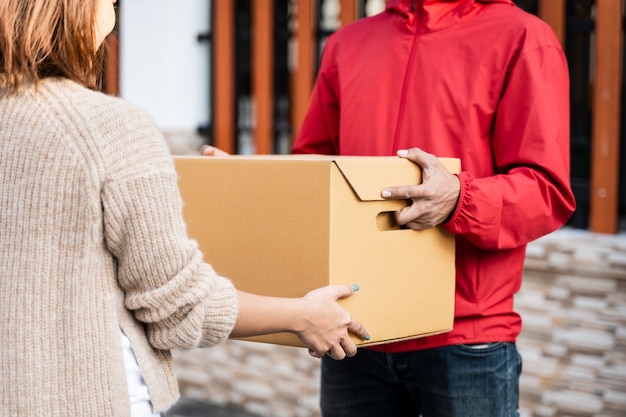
(91, 240)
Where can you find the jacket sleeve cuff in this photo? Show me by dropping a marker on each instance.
(452, 222)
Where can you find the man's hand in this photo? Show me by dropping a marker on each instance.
(208, 150)
(433, 200)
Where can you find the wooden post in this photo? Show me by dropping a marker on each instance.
(224, 75)
(262, 74)
(302, 79)
(112, 64)
(553, 13)
(606, 117)
(348, 12)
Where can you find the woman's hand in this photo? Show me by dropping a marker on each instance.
(318, 321)
(328, 327)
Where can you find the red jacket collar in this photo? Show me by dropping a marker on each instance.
(435, 14)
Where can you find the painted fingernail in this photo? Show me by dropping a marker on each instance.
(356, 287)
(367, 337)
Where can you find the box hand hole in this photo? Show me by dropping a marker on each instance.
(386, 220)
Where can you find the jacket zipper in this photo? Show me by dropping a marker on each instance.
(405, 83)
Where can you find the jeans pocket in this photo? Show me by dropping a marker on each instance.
(481, 347)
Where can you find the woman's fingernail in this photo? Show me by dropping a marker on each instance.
(386, 193)
(367, 337)
(356, 287)
(402, 152)
(203, 147)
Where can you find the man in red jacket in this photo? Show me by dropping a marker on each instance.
(483, 81)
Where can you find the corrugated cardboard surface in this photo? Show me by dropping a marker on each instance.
(284, 225)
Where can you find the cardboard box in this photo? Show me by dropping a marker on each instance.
(284, 225)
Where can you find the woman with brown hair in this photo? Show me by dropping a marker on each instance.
(99, 280)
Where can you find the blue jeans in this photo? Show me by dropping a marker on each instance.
(452, 381)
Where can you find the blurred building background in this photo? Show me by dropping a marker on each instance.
(238, 74)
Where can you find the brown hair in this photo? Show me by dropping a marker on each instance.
(49, 38)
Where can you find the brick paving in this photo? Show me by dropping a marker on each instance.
(190, 408)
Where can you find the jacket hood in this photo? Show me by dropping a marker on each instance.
(435, 14)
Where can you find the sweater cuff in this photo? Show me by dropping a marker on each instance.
(221, 313)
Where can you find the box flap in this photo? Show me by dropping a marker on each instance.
(368, 177)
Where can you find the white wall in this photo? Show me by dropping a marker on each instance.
(163, 68)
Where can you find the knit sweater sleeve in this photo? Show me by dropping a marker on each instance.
(180, 299)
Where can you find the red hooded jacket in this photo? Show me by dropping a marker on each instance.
(475, 79)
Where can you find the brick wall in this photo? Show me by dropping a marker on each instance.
(573, 303)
